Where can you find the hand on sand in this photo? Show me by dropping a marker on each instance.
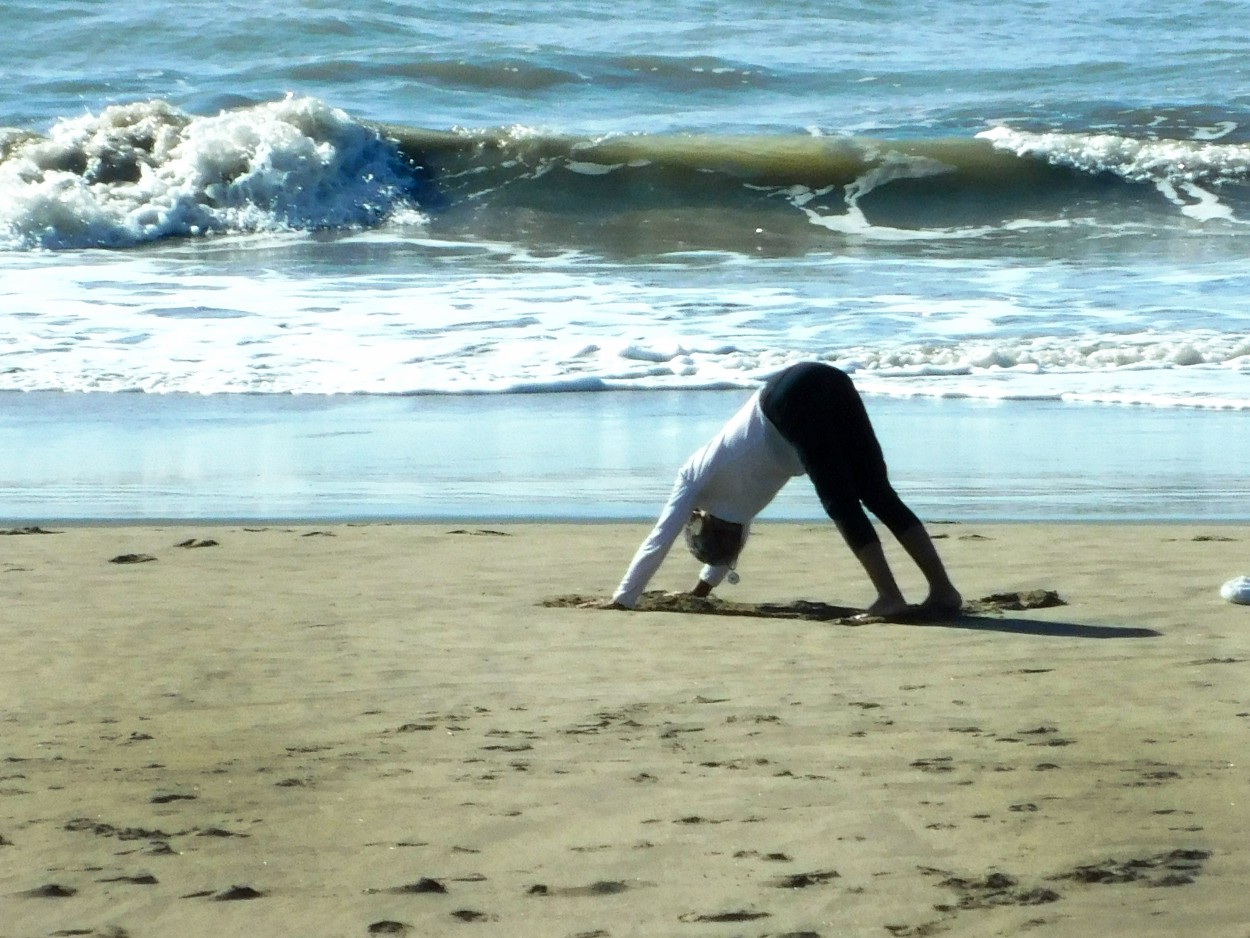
(601, 604)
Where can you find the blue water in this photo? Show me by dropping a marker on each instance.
(1042, 204)
(88, 457)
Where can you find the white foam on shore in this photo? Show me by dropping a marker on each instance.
(437, 317)
(92, 329)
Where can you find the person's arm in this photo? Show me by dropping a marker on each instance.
(655, 548)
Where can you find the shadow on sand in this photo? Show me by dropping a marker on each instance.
(986, 614)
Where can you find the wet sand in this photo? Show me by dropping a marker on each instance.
(355, 729)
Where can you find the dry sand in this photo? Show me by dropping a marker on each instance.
(380, 729)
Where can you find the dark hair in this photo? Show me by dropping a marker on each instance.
(712, 540)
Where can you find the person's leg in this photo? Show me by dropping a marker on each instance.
(872, 483)
(816, 408)
(890, 600)
(943, 596)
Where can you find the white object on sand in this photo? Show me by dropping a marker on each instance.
(1237, 590)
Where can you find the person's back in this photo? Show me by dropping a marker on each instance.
(738, 473)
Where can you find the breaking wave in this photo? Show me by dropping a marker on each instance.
(142, 172)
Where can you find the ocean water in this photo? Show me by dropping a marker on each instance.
(1039, 204)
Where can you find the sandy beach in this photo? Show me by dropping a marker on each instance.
(381, 729)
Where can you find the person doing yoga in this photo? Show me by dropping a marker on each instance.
(806, 419)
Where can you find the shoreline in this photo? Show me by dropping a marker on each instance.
(386, 729)
(643, 524)
(582, 456)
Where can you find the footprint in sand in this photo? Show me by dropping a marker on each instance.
(422, 886)
(741, 915)
(139, 879)
(805, 880)
(1175, 868)
(602, 888)
(50, 891)
(388, 927)
(170, 796)
(237, 894)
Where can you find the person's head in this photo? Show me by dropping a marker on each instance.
(713, 540)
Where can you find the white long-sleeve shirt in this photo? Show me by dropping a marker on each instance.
(734, 476)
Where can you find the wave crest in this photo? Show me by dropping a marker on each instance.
(141, 172)
(1186, 172)
(144, 171)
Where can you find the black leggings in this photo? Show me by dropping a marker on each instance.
(817, 409)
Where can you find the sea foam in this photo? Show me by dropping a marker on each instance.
(141, 172)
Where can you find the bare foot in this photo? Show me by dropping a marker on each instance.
(947, 603)
(886, 607)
